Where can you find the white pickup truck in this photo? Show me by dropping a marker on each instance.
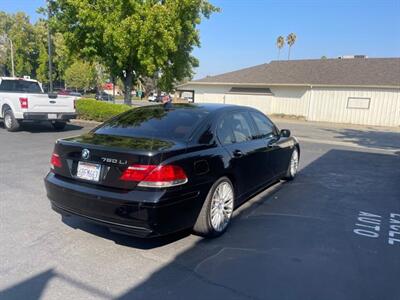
(23, 99)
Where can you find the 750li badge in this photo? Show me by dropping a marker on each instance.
(114, 161)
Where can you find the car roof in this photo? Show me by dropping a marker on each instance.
(211, 107)
(17, 78)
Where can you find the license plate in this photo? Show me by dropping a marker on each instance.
(52, 116)
(88, 171)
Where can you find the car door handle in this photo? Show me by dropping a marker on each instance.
(271, 143)
(237, 153)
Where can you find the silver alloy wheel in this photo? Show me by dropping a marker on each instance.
(221, 206)
(8, 121)
(294, 162)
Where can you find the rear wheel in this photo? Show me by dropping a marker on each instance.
(59, 125)
(293, 165)
(10, 123)
(217, 210)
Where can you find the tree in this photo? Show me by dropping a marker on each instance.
(135, 39)
(18, 28)
(61, 56)
(80, 75)
(324, 57)
(280, 43)
(41, 64)
(290, 39)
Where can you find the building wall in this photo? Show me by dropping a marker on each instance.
(331, 105)
(284, 100)
(315, 104)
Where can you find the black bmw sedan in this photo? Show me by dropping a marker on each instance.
(155, 170)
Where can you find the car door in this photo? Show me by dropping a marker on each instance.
(236, 133)
(276, 148)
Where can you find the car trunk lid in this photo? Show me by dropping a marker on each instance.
(112, 155)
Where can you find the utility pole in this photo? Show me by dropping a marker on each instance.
(49, 47)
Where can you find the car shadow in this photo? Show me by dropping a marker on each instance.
(296, 242)
(41, 127)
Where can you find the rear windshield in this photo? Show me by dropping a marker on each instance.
(20, 85)
(156, 122)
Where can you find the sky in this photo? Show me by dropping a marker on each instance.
(244, 33)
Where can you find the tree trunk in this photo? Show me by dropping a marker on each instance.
(128, 82)
(288, 57)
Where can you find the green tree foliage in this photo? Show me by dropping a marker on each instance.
(18, 28)
(280, 43)
(80, 75)
(291, 39)
(61, 55)
(43, 58)
(135, 38)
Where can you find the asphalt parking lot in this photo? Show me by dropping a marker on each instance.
(332, 233)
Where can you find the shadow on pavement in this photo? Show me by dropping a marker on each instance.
(297, 243)
(369, 138)
(294, 243)
(36, 127)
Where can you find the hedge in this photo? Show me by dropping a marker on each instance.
(91, 109)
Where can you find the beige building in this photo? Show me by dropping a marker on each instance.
(357, 91)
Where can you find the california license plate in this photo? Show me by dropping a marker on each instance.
(52, 116)
(88, 171)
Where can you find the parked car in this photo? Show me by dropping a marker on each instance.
(77, 95)
(23, 100)
(152, 98)
(189, 99)
(152, 171)
(69, 93)
(103, 96)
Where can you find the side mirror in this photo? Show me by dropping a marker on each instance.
(285, 133)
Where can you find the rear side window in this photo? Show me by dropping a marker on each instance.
(265, 127)
(157, 122)
(22, 86)
(235, 128)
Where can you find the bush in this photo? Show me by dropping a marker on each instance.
(91, 109)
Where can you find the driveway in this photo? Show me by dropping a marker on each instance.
(332, 233)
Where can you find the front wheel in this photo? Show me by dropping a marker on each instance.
(293, 165)
(10, 123)
(217, 209)
(59, 125)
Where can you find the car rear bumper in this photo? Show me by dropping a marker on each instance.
(49, 116)
(145, 213)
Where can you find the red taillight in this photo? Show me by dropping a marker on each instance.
(155, 176)
(23, 102)
(55, 161)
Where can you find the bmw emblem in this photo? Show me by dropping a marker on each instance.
(85, 154)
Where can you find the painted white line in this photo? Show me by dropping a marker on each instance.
(347, 144)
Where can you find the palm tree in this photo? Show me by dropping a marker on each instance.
(290, 39)
(280, 43)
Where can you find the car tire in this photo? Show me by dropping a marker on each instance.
(216, 213)
(293, 165)
(10, 123)
(59, 125)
